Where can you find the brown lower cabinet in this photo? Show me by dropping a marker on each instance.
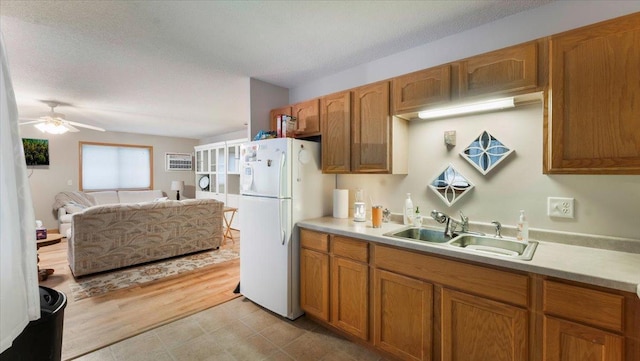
(403, 315)
(475, 328)
(569, 341)
(427, 307)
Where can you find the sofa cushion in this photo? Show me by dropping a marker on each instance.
(105, 197)
(139, 196)
(73, 207)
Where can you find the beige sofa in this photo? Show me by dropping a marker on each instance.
(68, 203)
(106, 237)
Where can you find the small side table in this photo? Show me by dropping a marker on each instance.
(227, 223)
(52, 238)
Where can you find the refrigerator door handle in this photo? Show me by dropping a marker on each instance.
(282, 173)
(283, 231)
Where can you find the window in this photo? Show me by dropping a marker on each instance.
(115, 166)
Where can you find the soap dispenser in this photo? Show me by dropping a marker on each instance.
(522, 228)
(417, 218)
(408, 210)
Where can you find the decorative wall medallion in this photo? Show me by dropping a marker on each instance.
(485, 152)
(450, 185)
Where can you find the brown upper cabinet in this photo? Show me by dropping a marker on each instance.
(371, 136)
(505, 71)
(501, 72)
(274, 114)
(307, 114)
(308, 118)
(416, 91)
(593, 117)
(515, 70)
(359, 135)
(335, 113)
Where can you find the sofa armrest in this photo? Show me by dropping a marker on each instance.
(61, 212)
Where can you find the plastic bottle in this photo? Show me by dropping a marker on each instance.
(417, 218)
(522, 228)
(408, 210)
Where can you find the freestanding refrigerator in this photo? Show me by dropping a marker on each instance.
(281, 183)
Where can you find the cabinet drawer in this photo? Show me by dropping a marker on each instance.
(494, 284)
(314, 240)
(350, 248)
(585, 305)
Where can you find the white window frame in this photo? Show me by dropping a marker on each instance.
(82, 184)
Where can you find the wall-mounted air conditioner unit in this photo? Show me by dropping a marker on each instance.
(178, 161)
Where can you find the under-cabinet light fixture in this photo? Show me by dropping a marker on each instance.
(468, 108)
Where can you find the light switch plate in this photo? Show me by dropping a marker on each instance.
(560, 207)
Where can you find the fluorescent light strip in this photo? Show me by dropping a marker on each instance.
(468, 108)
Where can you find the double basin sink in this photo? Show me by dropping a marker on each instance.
(470, 242)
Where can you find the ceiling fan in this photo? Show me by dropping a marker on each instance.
(55, 123)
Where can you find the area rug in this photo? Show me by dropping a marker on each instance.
(92, 286)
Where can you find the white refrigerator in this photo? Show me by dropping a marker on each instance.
(281, 183)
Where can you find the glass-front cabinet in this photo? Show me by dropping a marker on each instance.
(210, 171)
(218, 173)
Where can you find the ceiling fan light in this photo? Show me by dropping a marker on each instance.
(51, 128)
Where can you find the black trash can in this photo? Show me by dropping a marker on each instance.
(41, 340)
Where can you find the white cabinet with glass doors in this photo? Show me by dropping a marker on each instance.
(211, 167)
(218, 173)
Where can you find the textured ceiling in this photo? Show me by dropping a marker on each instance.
(182, 68)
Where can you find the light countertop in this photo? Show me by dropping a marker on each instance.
(601, 267)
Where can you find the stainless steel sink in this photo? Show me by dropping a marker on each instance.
(420, 234)
(509, 248)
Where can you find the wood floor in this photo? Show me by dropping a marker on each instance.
(96, 322)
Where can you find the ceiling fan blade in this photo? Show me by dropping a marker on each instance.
(85, 126)
(70, 127)
(29, 121)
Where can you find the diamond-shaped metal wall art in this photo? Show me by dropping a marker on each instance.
(485, 152)
(450, 185)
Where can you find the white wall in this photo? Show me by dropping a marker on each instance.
(264, 97)
(64, 165)
(605, 204)
(241, 134)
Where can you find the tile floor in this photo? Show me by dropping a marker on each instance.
(234, 331)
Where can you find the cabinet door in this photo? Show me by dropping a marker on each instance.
(417, 91)
(314, 283)
(335, 115)
(502, 71)
(274, 113)
(567, 341)
(371, 137)
(350, 296)
(220, 168)
(402, 315)
(308, 118)
(594, 117)
(474, 328)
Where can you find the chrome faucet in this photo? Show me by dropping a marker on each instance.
(451, 224)
(498, 228)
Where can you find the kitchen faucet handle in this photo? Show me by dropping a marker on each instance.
(465, 222)
(498, 228)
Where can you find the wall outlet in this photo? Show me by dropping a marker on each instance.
(560, 207)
